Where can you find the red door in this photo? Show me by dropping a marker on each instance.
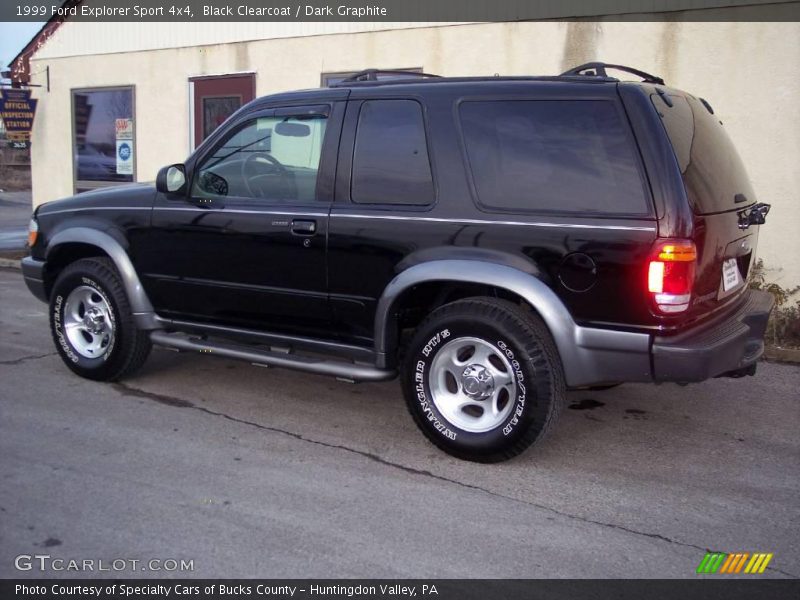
(216, 98)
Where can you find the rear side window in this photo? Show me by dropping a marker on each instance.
(713, 173)
(390, 159)
(553, 156)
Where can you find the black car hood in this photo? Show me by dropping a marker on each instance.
(132, 195)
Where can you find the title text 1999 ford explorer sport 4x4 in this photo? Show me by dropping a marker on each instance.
(494, 240)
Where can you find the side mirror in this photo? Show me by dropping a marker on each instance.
(171, 179)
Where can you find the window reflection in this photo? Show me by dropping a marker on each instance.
(102, 125)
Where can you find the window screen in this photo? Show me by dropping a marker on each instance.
(390, 160)
(552, 156)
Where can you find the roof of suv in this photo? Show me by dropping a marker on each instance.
(589, 73)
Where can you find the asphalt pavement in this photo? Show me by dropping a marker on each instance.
(252, 472)
(15, 212)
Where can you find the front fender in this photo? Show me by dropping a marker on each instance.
(140, 303)
(589, 355)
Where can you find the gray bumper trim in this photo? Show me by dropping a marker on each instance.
(33, 273)
(731, 342)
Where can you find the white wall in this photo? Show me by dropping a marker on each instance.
(83, 38)
(746, 70)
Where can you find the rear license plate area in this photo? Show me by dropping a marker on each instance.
(731, 276)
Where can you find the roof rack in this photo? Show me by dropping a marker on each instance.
(375, 74)
(598, 69)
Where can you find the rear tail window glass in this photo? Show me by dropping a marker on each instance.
(573, 156)
(712, 171)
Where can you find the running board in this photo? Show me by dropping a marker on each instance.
(336, 368)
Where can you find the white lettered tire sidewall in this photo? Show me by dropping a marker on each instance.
(530, 383)
(128, 347)
(57, 307)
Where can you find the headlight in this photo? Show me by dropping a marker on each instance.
(33, 232)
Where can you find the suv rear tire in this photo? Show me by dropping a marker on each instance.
(482, 379)
(92, 323)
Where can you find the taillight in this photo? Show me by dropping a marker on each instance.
(670, 274)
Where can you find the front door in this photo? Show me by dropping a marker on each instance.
(217, 98)
(247, 246)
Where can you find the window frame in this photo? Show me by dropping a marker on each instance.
(649, 208)
(94, 185)
(220, 138)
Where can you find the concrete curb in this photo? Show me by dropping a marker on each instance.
(9, 263)
(783, 355)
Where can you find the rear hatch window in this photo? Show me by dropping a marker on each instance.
(713, 174)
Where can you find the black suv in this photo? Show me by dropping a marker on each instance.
(495, 240)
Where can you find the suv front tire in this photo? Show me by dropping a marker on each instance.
(92, 323)
(482, 379)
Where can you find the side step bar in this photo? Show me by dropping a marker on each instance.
(336, 368)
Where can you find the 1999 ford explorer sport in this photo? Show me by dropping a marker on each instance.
(495, 241)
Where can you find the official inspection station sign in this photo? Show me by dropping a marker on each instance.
(16, 110)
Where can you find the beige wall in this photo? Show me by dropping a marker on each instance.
(746, 70)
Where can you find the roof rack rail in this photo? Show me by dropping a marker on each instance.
(599, 69)
(374, 75)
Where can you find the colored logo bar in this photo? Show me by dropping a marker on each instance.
(734, 563)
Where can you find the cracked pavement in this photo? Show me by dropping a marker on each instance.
(256, 472)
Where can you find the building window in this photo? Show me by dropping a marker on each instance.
(216, 110)
(104, 144)
(329, 79)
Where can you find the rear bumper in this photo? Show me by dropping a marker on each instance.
(730, 343)
(33, 273)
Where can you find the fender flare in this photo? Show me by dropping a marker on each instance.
(140, 304)
(588, 355)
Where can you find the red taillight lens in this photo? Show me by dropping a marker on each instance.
(670, 274)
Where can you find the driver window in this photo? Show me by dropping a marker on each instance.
(271, 158)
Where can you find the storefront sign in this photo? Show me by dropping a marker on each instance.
(16, 110)
(124, 129)
(124, 157)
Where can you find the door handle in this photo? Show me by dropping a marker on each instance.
(304, 227)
